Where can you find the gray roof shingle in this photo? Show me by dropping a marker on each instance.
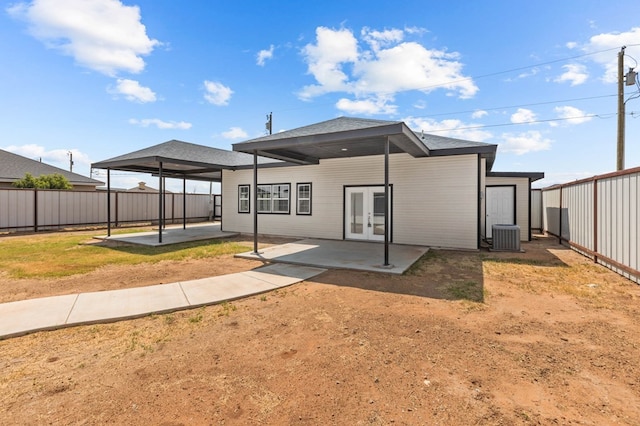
(14, 167)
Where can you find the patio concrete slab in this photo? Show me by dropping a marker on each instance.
(364, 256)
(35, 314)
(48, 313)
(172, 235)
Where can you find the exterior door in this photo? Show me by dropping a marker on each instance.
(364, 212)
(500, 207)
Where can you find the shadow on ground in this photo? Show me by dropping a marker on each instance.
(449, 274)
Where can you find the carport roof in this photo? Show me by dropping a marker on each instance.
(353, 137)
(183, 160)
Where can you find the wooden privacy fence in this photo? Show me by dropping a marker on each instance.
(39, 209)
(598, 217)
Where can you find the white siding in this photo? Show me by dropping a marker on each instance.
(522, 200)
(434, 199)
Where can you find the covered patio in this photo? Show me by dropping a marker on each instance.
(179, 160)
(338, 138)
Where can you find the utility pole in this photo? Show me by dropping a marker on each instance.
(621, 112)
(70, 154)
(269, 123)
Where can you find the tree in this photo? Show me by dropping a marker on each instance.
(54, 181)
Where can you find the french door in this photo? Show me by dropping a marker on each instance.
(364, 212)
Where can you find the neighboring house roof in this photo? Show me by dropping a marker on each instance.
(352, 137)
(142, 187)
(182, 160)
(14, 167)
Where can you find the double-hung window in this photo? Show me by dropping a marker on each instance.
(244, 202)
(303, 199)
(274, 198)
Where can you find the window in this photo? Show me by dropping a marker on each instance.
(243, 199)
(304, 199)
(273, 198)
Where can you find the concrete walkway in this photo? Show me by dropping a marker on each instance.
(49, 313)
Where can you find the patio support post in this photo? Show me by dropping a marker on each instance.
(108, 202)
(184, 203)
(386, 202)
(255, 202)
(160, 203)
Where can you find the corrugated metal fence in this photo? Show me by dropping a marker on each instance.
(599, 218)
(34, 210)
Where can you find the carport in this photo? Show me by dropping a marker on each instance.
(181, 160)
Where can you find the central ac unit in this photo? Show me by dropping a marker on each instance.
(505, 238)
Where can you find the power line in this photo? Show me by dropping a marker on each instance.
(515, 106)
(477, 77)
(483, 126)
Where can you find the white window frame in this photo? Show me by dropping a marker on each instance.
(269, 194)
(241, 198)
(262, 199)
(277, 195)
(299, 198)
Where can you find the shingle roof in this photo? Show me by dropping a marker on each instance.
(337, 138)
(441, 146)
(182, 159)
(14, 167)
(340, 124)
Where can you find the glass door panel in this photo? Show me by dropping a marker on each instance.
(356, 219)
(378, 213)
(364, 213)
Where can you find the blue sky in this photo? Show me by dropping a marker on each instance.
(101, 78)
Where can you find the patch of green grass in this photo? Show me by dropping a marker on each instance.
(227, 308)
(466, 290)
(197, 317)
(61, 255)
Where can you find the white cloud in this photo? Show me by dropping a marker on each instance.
(522, 143)
(390, 65)
(325, 58)
(576, 74)
(571, 45)
(263, 55)
(133, 91)
(571, 115)
(530, 73)
(523, 115)
(449, 128)
(378, 39)
(378, 105)
(160, 124)
(479, 114)
(235, 133)
(217, 93)
(103, 35)
(607, 46)
(55, 157)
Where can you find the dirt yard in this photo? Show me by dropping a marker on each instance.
(542, 337)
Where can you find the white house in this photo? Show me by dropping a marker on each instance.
(331, 179)
(441, 191)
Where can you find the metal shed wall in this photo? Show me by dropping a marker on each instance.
(599, 218)
(536, 209)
